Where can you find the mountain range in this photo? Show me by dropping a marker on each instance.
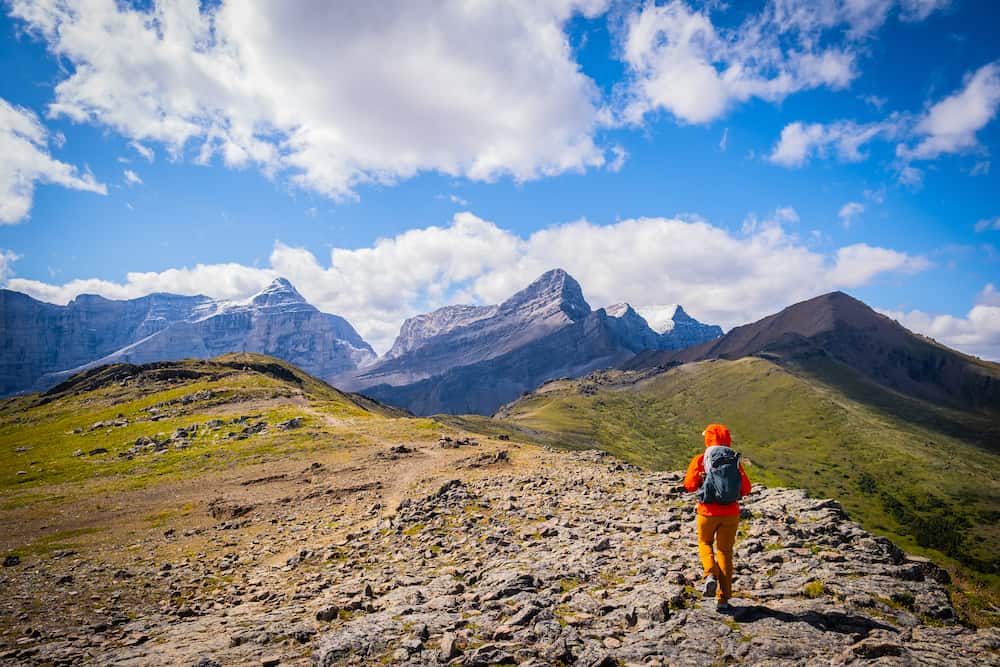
(456, 359)
(42, 344)
(836, 328)
(473, 359)
(827, 395)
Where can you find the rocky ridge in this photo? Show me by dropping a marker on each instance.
(533, 557)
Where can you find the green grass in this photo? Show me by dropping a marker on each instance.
(55, 542)
(931, 492)
(49, 432)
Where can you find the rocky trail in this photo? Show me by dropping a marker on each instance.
(496, 554)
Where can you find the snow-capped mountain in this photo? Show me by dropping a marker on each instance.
(453, 336)
(662, 327)
(476, 358)
(42, 344)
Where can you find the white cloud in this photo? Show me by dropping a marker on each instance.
(918, 10)
(876, 195)
(724, 141)
(26, 161)
(332, 95)
(950, 126)
(144, 151)
(132, 178)
(619, 155)
(786, 214)
(989, 296)
(911, 176)
(7, 259)
(988, 223)
(977, 333)
(849, 211)
(646, 260)
(800, 142)
(858, 264)
(680, 61)
(874, 101)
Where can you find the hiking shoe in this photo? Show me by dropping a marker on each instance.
(710, 587)
(723, 605)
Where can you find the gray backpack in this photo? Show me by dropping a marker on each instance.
(722, 476)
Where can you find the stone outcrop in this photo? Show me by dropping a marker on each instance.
(541, 558)
(597, 565)
(42, 344)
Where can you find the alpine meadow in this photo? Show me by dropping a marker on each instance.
(553, 333)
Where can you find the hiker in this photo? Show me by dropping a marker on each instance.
(718, 479)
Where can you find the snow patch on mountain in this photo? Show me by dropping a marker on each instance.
(659, 318)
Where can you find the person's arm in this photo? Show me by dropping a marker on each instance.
(744, 482)
(695, 471)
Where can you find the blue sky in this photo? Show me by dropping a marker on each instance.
(733, 157)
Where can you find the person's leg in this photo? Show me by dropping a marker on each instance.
(726, 539)
(706, 537)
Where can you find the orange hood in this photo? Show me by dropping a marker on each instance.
(717, 434)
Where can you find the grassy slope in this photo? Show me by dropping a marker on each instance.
(43, 426)
(797, 432)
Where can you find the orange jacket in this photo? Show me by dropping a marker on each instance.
(715, 434)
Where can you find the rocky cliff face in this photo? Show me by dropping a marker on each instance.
(476, 358)
(483, 387)
(42, 344)
(659, 327)
(455, 336)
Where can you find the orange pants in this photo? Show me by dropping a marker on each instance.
(720, 530)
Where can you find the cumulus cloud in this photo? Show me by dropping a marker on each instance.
(950, 126)
(800, 142)
(132, 178)
(719, 276)
(849, 211)
(24, 145)
(977, 333)
(332, 95)
(7, 259)
(680, 61)
(857, 264)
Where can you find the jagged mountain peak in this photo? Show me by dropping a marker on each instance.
(622, 309)
(554, 287)
(280, 292)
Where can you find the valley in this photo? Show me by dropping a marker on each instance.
(298, 525)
